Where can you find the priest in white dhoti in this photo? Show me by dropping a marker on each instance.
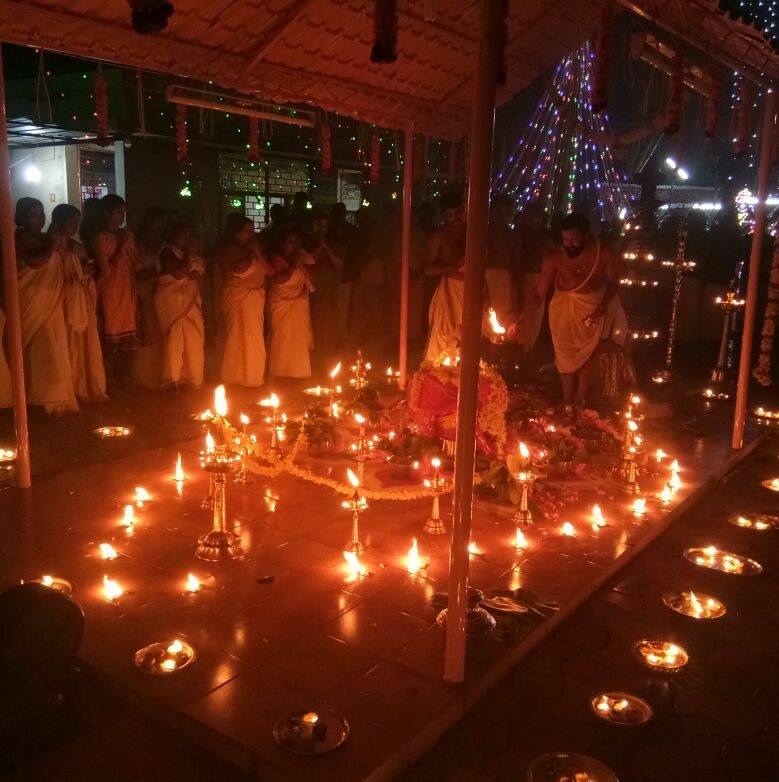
(177, 305)
(290, 318)
(42, 306)
(6, 390)
(446, 258)
(584, 308)
(86, 354)
(242, 303)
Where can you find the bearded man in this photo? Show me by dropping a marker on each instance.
(584, 308)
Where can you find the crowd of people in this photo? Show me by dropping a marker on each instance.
(105, 306)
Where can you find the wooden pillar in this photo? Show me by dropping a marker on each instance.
(482, 122)
(12, 312)
(748, 332)
(405, 257)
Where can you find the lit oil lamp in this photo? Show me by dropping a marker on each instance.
(277, 423)
(712, 558)
(767, 417)
(54, 582)
(666, 495)
(112, 590)
(392, 376)
(772, 484)
(109, 432)
(7, 458)
(311, 732)
(760, 522)
(434, 524)
(660, 656)
(698, 606)
(474, 550)
(660, 454)
(141, 497)
(598, 520)
(357, 504)
(639, 507)
(178, 472)
(128, 518)
(193, 583)
(520, 540)
(414, 562)
(355, 570)
(567, 530)
(621, 708)
(165, 657)
(317, 391)
(568, 767)
(107, 551)
(674, 482)
(220, 402)
(498, 331)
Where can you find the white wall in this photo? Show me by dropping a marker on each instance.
(52, 189)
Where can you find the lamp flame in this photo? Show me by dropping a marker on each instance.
(360, 418)
(353, 479)
(675, 482)
(141, 496)
(413, 561)
(176, 647)
(639, 507)
(107, 551)
(520, 541)
(632, 425)
(111, 589)
(193, 583)
(220, 401)
(695, 604)
(271, 401)
(354, 567)
(666, 494)
(473, 549)
(568, 530)
(597, 516)
(128, 516)
(178, 474)
(244, 419)
(523, 451)
(436, 462)
(495, 323)
(660, 454)
(47, 581)
(210, 443)
(334, 372)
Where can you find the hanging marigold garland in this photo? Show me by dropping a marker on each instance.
(741, 119)
(375, 157)
(504, 40)
(385, 31)
(182, 145)
(762, 372)
(254, 140)
(600, 76)
(101, 108)
(673, 107)
(327, 152)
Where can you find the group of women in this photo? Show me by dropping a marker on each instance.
(124, 308)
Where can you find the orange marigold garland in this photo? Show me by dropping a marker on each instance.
(385, 31)
(182, 145)
(101, 109)
(762, 372)
(254, 139)
(375, 157)
(673, 108)
(600, 76)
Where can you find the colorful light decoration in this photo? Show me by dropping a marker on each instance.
(556, 162)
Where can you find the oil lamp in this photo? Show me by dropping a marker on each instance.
(243, 475)
(598, 520)
(473, 549)
(109, 432)
(568, 767)
(178, 472)
(760, 522)
(220, 543)
(639, 507)
(498, 331)
(128, 518)
(193, 583)
(698, 606)
(660, 656)
(54, 582)
(107, 551)
(165, 657)
(355, 570)
(356, 505)
(520, 540)
(665, 495)
(712, 558)
(277, 423)
(621, 708)
(434, 524)
(359, 369)
(414, 562)
(766, 417)
(311, 732)
(568, 530)
(141, 497)
(112, 590)
(523, 517)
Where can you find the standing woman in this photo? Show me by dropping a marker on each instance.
(149, 239)
(86, 355)
(290, 319)
(178, 305)
(41, 301)
(242, 331)
(114, 251)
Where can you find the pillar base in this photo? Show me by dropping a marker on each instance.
(219, 546)
(434, 526)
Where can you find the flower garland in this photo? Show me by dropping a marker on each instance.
(182, 145)
(741, 120)
(327, 153)
(385, 31)
(101, 108)
(673, 107)
(762, 372)
(254, 140)
(600, 77)
(375, 157)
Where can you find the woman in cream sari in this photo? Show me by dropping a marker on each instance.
(242, 331)
(178, 307)
(290, 319)
(41, 301)
(86, 355)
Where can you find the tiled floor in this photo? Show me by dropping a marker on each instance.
(308, 638)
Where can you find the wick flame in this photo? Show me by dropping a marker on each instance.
(360, 418)
(632, 425)
(695, 604)
(107, 551)
(210, 443)
(635, 399)
(413, 560)
(660, 454)
(353, 479)
(193, 583)
(176, 647)
(666, 494)
(568, 529)
(523, 451)
(178, 474)
(334, 372)
(355, 568)
(244, 419)
(47, 581)
(436, 462)
(639, 507)
(597, 516)
(473, 549)
(141, 496)
(128, 517)
(334, 410)
(675, 482)
(389, 372)
(495, 323)
(271, 401)
(675, 466)
(220, 401)
(111, 588)
(520, 541)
